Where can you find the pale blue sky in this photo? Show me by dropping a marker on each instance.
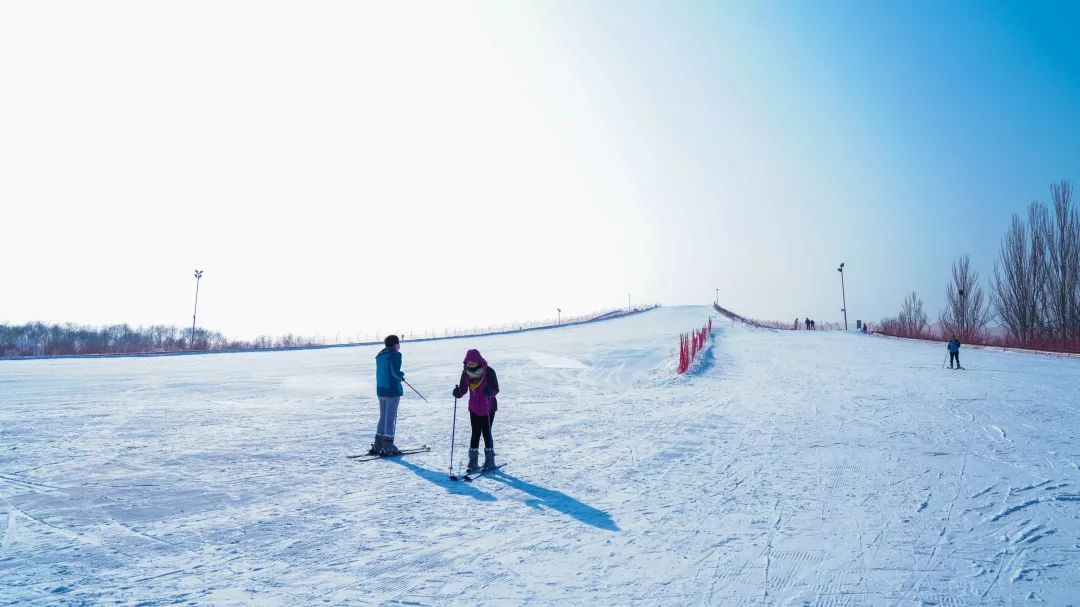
(360, 166)
(891, 135)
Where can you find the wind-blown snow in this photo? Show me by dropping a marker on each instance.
(787, 467)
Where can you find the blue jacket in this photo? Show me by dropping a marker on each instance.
(388, 373)
(954, 346)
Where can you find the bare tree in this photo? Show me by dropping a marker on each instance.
(966, 312)
(1063, 257)
(1039, 225)
(889, 326)
(913, 320)
(1019, 284)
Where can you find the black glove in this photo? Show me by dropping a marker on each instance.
(458, 393)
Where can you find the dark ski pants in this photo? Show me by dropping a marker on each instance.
(481, 425)
(954, 356)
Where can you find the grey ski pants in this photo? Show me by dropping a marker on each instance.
(388, 406)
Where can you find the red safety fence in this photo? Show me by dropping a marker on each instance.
(692, 343)
(985, 338)
(776, 324)
(1046, 344)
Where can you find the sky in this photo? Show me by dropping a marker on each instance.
(347, 168)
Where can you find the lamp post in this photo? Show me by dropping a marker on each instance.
(843, 293)
(718, 296)
(198, 277)
(628, 308)
(559, 310)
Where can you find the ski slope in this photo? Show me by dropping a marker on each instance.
(788, 468)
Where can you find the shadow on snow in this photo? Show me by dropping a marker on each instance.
(556, 500)
(442, 479)
(541, 497)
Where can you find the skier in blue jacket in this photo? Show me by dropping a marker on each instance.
(388, 376)
(954, 352)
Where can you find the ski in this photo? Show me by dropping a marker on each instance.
(363, 457)
(475, 475)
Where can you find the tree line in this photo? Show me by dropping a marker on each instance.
(40, 339)
(1034, 293)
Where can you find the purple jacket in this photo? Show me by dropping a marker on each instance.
(482, 399)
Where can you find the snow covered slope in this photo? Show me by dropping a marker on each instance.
(788, 468)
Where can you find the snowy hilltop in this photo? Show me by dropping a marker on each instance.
(789, 468)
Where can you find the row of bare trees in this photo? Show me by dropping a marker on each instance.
(1037, 278)
(1034, 293)
(39, 339)
(966, 313)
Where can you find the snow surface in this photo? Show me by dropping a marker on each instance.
(803, 468)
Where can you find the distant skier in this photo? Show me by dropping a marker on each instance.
(480, 382)
(808, 324)
(813, 325)
(388, 378)
(796, 327)
(954, 352)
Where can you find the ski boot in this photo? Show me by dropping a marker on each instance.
(376, 447)
(388, 448)
(489, 459)
(473, 466)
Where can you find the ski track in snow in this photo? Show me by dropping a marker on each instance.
(788, 468)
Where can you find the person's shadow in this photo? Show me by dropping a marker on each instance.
(442, 480)
(556, 500)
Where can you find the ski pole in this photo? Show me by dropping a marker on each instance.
(415, 390)
(453, 437)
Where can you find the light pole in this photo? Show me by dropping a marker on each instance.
(843, 293)
(559, 310)
(628, 308)
(718, 297)
(198, 277)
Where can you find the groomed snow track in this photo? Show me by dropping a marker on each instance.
(795, 468)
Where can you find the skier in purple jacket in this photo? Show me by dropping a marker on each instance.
(479, 381)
